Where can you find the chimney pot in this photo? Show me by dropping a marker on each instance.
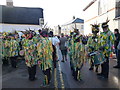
(9, 3)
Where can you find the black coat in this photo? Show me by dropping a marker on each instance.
(117, 40)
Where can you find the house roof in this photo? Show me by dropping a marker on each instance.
(20, 15)
(77, 20)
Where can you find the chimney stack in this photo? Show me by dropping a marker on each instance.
(73, 17)
(9, 3)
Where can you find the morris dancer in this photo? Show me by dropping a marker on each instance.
(45, 52)
(92, 46)
(5, 48)
(14, 49)
(30, 54)
(76, 56)
(106, 41)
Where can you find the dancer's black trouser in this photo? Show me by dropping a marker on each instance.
(48, 74)
(32, 72)
(13, 61)
(105, 68)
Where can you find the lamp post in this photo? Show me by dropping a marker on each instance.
(59, 30)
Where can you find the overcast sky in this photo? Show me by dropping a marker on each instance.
(56, 12)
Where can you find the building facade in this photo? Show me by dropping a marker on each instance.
(19, 18)
(57, 30)
(74, 24)
(98, 11)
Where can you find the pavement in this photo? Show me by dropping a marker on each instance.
(61, 77)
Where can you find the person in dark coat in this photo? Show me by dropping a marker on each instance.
(117, 40)
(63, 48)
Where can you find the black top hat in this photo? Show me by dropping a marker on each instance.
(105, 24)
(51, 34)
(95, 28)
(44, 33)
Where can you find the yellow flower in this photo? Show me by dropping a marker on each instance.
(5, 34)
(111, 38)
(106, 47)
(104, 37)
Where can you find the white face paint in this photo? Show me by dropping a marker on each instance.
(96, 39)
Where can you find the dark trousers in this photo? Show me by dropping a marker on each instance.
(32, 72)
(54, 63)
(105, 68)
(48, 74)
(54, 56)
(54, 59)
(92, 63)
(118, 58)
(13, 61)
(5, 61)
(116, 52)
(71, 65)
(75, 73)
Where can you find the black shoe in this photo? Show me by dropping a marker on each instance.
(100, 74)
(90, 68)
(106, 77)
(62, 61)
(116, 66)
(32, 79)
(103, 77)
(13, 66)
(42, 85)
(96, 70)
